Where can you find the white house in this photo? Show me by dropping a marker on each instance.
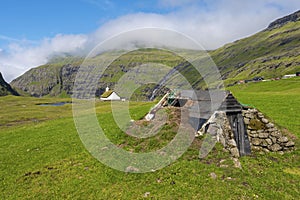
(289, 76)
(110, 95)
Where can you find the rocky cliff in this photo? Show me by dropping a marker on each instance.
(282, 21)
(5, 88)
(47, 80)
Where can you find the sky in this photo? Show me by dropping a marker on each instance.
(33, 31)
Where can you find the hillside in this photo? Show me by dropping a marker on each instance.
(57, 78)
(270, 53)
(5, 88)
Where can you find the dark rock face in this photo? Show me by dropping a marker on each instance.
(282, 21)
(5, 88)
(47, 80)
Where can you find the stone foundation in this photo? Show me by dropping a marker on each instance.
(219, 128)
(263, 134)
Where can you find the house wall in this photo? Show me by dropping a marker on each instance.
(113, 96)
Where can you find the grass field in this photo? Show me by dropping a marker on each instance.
(42, 157)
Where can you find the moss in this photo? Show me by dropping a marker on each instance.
(256, 124)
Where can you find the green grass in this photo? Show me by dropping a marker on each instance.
(45, 159)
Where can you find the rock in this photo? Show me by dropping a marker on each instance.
(273, 139)
(269, 141)
(131, 169)
(263, 135)
(146, 194)
(256, 141)
(290, 144)
(266, 150)
(270, 125)
(232, 143)
(213, 175)
(256, 148)
(276, 134)
(249, 115)
(260, 115)
(284, 20)
(237, 163)
(275, 147)
(254, 111)
(247, 121)
(264, 143)
(270, 130)
(283, 139)
(235, 152)
(48, 80)
(213, 129)
(264, 120)
(5, 88)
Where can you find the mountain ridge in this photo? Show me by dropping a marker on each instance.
(5, 88)
(284, 20)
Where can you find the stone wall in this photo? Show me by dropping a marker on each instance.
(218, 127)
(263, 134)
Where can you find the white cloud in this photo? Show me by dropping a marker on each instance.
(20, 57)
(220, 22)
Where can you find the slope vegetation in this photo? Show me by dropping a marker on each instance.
(272, 52)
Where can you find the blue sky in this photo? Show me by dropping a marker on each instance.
(33, 30)
(35, 19)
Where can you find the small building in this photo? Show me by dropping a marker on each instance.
(110, 95)
(289, 76)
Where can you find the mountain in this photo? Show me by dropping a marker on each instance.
(57, 78)
(5, 88)
(270, 53)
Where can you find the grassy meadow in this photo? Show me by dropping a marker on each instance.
(42, 157)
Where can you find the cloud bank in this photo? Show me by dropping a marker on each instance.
(212, 23)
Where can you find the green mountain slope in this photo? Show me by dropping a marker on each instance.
(57, 78)
(5, 88)
(272, 52)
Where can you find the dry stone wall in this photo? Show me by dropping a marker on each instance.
(219, 128)
(263, 134)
